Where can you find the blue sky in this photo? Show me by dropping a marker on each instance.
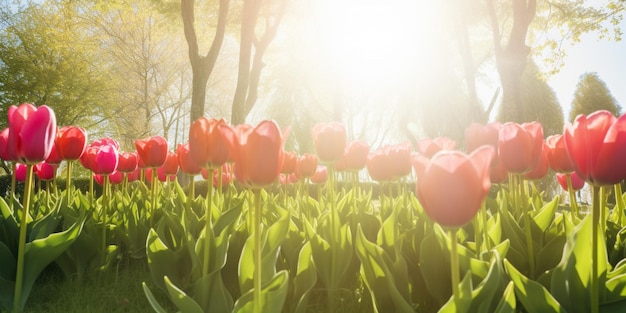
(607, 58)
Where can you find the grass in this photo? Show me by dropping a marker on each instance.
(114, 290)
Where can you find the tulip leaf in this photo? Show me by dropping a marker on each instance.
(571, 277)
(182, 301)
(273, 295)
(154, 303)
(376, 269)
(507, 304)
(211, 294)
(532, 295)
(306, 277)
(545, 216)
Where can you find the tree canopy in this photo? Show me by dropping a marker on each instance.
(591, 95)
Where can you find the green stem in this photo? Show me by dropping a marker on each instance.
(13, 184)
(258, 306)
(485, 229)
(454, 266)
(529, 244)
(19, 277)
(105, 205)
(595, 221)
(68, 185)
(620, 203)
(153, 186)
(572, 195)
(91, 190)
(192, 191)
(208, 230)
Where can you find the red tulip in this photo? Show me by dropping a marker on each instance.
(259, 155)
(498, 173)
(378, 166)
(71, 142)
(541, 168)
(227, 175)
(31, 133)
(163, 176)
(330, 141)
(4, 138)
(100, 159)
(355, 156)
(152, 151)
(116, 178)
(453, 185)
(211, 142)
(134, 175)
(557, 154)
(519, 146)
(320, 176)
(306, 166)
(577, 182)
(399, 158)
(429, 147)
(45, 171)
(170, 167)
(186, 163)
(20, 172)
(477, 135)
(54, 157)
(290, 162)
(127, 162)
(596, 145)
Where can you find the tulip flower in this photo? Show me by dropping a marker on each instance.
(596, 145)
(378, 166)
(330, 141)
(355, 156)
(577, 182)
(477, 135)
(185, 161)
(211, 142)
(101, 159)
(20, 172)
(320, 176)
(557, 154)
(399, 157)
(519, 146)
(306, 166)
(163, 176)
(71, 142)
(170, 167)
(428, 147)
(453, 185)
(54, 157)
(106, 141)
(226, 177)
(45, 171)
(127, 162)
(259, 156)
(541, 167)
(31, 133)
(152, 151)
(4, 138)
(289, 163)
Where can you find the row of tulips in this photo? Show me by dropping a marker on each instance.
(452, 188)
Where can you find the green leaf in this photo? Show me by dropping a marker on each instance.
(306, 277)
(273, 295)
(211, 293)
(462, 304)
(376, 270)
(507, 304)
(152, 300)
(182, 301)
(533, 296)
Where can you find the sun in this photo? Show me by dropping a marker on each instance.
(374, 43)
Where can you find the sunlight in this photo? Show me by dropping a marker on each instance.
(378, 42)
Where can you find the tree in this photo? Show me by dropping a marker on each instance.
(539, 103)
(202, 65)
(591, 95)
(45, 59)
(251, 64)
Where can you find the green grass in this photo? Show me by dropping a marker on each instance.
(117, 289)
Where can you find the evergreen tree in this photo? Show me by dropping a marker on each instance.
(592, 95)
(539, 103)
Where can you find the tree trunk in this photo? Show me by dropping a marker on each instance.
(201, 66)
(511, 59)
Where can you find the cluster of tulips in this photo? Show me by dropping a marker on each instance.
(451, 185)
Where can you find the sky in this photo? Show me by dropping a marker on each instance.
(607, 58)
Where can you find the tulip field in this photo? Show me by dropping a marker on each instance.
(437, 226)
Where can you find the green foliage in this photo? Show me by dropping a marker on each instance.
(539, 103)
(592, 95)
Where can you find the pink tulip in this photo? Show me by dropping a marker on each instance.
(31, 133)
